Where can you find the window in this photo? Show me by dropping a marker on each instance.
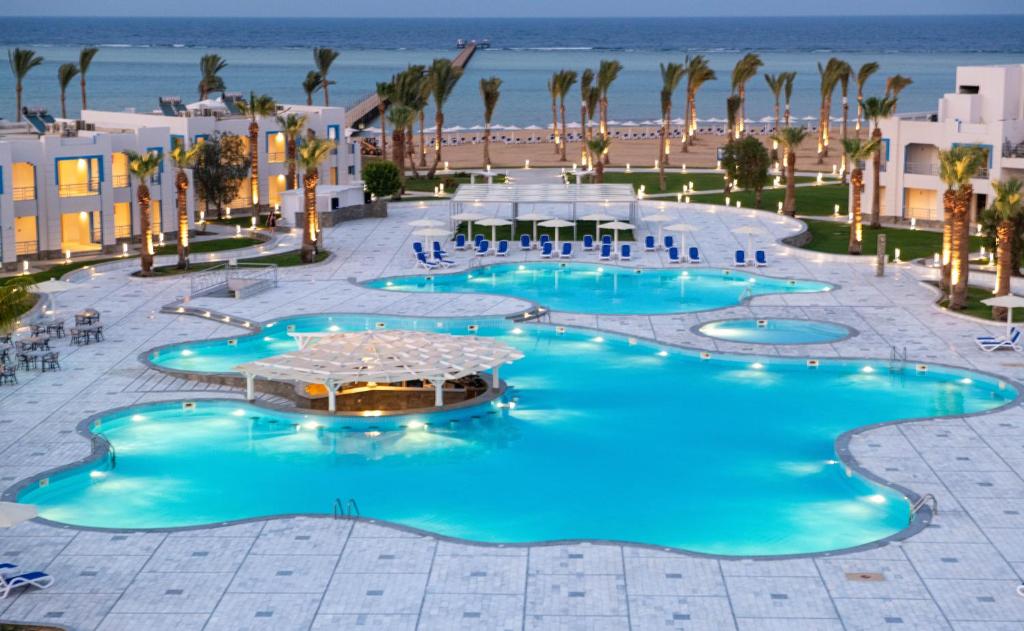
(24, 176)
(969, 89)
(119, 167)
(177, 140)
(122, 220)
(79, 177)
(276, 147)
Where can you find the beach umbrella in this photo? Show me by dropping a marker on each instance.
(431, 232)
(616, 226)
(750, 231)
(455, 128)
(469, 218)
(681, 228)
(53, 286)
(659, 219)
(533, 127)
(573, 125)
(597, 218)
(425, 223)
(1008, 301)
(12, 513)
(534, 217)
(557, 224)
(494, 222)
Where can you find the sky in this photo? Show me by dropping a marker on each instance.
(519, 8)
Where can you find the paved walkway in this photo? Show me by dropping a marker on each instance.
(319, 573)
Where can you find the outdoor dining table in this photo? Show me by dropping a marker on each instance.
(87, 333)
(87, 316)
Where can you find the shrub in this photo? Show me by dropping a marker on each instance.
(381, 178)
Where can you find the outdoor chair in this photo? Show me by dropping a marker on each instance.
(649, 243)
(673, 255)
(566, 252)
(606, 252)
(739, 259)
(421, 261)
(460, 242)
(759, 259)
(524, 242)
(989, 343)
(55, 328)
(483, 246)
(588, 243)
(41, 580)
(669, 241)
(502, 248)
(546, 249)
(50, 361)
(694, 255)
(8, 373)
(625, 252)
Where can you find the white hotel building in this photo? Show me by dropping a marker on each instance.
(986, 110)
(65, 185)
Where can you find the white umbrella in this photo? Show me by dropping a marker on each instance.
(616, 226)
(557, 224)
(469, 218)
(681, 228)
(597, 218)
(750, 231)
(431, 232)
(53, 286)
(455, 128)
(425, 223)
(659, 219)
(494, 222)
(534, 217)
(1008, 301)
(533, 127)
(12, 513)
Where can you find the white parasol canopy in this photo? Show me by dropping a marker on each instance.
(335, 359)
(750, 231)
(616, 226)
(557, 224)
(469, 218)
(494, 222)
(534, 217)
(597, 218)
(425, 223)
(12, 513)
(431, 232)
(659, 219)
(1009, 302)
(681, 228)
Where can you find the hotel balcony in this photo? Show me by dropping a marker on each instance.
(84, 189)
(26, 247)
(921, 168)
(276, 157)
(120, 181)
(23, 193)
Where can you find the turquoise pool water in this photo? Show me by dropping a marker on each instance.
(610, 438)
(589, 288)
(776, 331)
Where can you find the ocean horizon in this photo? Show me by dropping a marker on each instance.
(143, 58)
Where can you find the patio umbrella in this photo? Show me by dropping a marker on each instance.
(12, 513)
(659, 219)
(557, 224)
(616, 226)
(431, 232)
(750, 231)
(534, 217)
(597, 218)
(469, 218)
(53, 286)
(494, 222)
(425, 223)
(681, 228)
(1008, 301)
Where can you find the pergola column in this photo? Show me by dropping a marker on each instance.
(250, 387)
(438, 391)
(332, 397)
(495, 380)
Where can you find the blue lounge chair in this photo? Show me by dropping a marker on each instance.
(502, 248)
(438, 248)
(483, 246)
(477, 239)
(694, 255)
(424, 262)
(759, 258)
(460, 242)
(566, 252)
(546, 248)
(42, 580)
(739, 259)
(625, 252)
(989, 343)
(544, 239)
(417, 247)
(588, 243)
(670, 242)
(442, 259)
(606, 239)
(649, 243)
(524, 242)
(673, 255)
(606, 252)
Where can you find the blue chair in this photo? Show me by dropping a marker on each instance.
(438, 248)
(989, 343)
(759, 258)
(417, 247)
(483, 246)
(673, 255)
(477, 239)
(739, 259)
(649, 243)
(606, 239)
(524, 242)
(566, 252)
(606, 252)
(442, 259)
(424, 262)
(544, 239)
(41, 580)
(625, 252)
(502, 248)
(588, 243)
(694, 255)
(460, 242)
(670, 242)
(546, 248)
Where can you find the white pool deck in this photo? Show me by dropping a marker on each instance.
(320, 573)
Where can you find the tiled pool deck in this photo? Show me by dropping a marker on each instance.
(320, 573)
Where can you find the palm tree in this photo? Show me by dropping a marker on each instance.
(143, 167)
(592, 102)
(1007, 208)
(733, 106)
(875, 109)
(671, 75)
(384, 89)
(211, 81)
(856, 152)
(311, 154)
(789, 138)
(586, 85)
(65, 73)
(422, 100)
(957, 167)
(598, 145)
(411, 88)
(788, 90)
(566, 79)
(895, 84)
(322, 59)
(311, 85)
(844, 73)
(698, 72)
(490, 91)
(291, 126)
(743, 71)
(829, 75)
(401, 116)
(863, 74)
(255, 108)
(84, 62)
(776, 83)
(553, 88)
(21, 60)
(183, 159)
(442, 76)
(607, 73)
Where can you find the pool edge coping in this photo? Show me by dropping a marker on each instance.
(851, 332)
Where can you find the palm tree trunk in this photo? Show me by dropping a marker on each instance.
(604, 129)
(423, 140)
(876, 183)
(309, 182)
(398, 151)
(63, 105)
(962, 238)
(411, 149)
(327, 96)
(789, 205)
(948, 203)
(146, 227)
(293, 176)
(181, 186)
(666, 149)
(1004, 257)
(383, 131)
(487, 142)
(565, 135)
(85, 104)
(254, 159)
(846, 114)
(787, 111)
(599, 171)
(856, 245)
(438, 126)
(554, 123)
(17, 99)
(739, 114)
(584, 129)
(860, 109)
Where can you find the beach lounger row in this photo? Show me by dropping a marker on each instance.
(10, 580)
(740, 259)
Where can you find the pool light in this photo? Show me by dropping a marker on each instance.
(598, 339)
(877, 498)
(662, 353)
(867, 369)
(757, 365)
(416, 425)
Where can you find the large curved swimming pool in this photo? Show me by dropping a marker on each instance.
(609, 438)
(606, 289)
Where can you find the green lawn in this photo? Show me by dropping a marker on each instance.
(810, 200)
(974, 306)
(238, 218)
(833, 237)
(213, 245)
(674, 181)
(282, 259)
(526, 227)
(451, 182)
(57, 271)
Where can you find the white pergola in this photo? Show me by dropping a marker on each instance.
(334, 359)
(470, 196)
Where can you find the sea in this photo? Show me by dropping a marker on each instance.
(141, 59)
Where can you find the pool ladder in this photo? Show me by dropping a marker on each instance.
(897, 359)
(925, 500)
(345, 509)
(111, 452)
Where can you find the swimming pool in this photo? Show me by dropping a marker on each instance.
(607, 289)
(776, 331)
(610, 438)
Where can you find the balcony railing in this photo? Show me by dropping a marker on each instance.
(26, 247)
(23, 193)
(123, 232)
(120, 181)
(1013, 149)
(921, 168)
(79, 190)
(276, 156)
(982, 174)
(920, 212)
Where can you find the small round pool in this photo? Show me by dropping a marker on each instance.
(776, 331)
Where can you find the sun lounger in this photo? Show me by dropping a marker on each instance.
(477, 239)
(588, 243)
(544, 239)
(417, 247)
(460, 242)
(483, 246)
(989, 343)
(437, 247)
(502, 248)
(673, 255)
(524, 242)
(649, 243)
(625, 252)
(546, 248)
(739, 259)
(759, 258)
(566, 252)
(694, 255)
(606, 239)
(669, 241)
(42, 580)
(606, 252)
(424, 262)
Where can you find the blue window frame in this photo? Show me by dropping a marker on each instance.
(986, 148)
(1, 180)
(177, 140)
(885, 143)
(94, 172)
(334, 133)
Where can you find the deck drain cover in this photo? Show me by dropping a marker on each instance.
(865, 577)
